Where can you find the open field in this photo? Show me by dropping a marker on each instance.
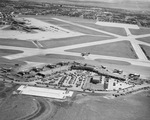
(112, 62)
(17, 43)
(9, 52)
(118, 49)
(115, 30)
(9, 63)
(146, 50)
(71, 41)
(59, 56)
(140, 31)
(134, 107)
(145, 39)
(17, 108)
(83, 30)
(55, 59)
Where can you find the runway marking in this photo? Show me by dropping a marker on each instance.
(37, 44)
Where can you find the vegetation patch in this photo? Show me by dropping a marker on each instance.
(17, 43)
(146, 50)
(97, 108)
(117, 49)
(144, 39)
(57, 56)
(10, 63)
(9, 52)
(71, 41)
(113, 62)
(83, 30)
(115, 30)
(140, 31)
(43, 59)
(17, 107)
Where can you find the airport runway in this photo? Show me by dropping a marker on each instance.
(141, 61)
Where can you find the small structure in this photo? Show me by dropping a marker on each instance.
(96, 79)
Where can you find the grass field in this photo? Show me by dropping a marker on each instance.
(144, 39)
(17, 43)
(58, 56)
(44, 59)
(17, 107)
(113, 62)
(134, 107)
(71, 41)
(83, 30)
(115, 30)
(118, 49)
(4, 52)
(9, 63)
(146, 50)
(140, 31)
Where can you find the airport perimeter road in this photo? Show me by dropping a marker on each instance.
(141, 61)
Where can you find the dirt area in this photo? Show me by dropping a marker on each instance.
(117, 49)
(71, 41)
(17, 43)
(17, 107)
(146, 50)
(22, 107)
(145, 39)
(140, 31)
(133, 107)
